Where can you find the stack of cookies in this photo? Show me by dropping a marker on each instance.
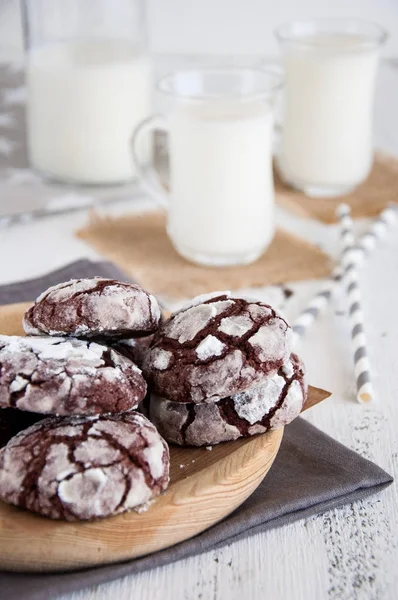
(222, 368)
(93, 456)
(219, 369)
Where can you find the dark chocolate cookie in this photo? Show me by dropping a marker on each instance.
(83, 468)
(273, 404)
(219, 346)
(66, 377)
(96, 307)
(12, 421)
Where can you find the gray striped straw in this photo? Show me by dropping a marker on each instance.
(349, 263)
(365, 244)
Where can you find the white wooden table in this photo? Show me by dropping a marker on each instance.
(346, 554)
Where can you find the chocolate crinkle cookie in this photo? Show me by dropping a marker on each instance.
(67, 377)
(217, 346)
(84, 468)
(90, 308)
(12, 421)
(275, 403)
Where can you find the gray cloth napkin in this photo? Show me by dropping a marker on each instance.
(29, 289)
(312, 473)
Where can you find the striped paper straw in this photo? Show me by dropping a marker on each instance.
(365, 244)
(353, 293)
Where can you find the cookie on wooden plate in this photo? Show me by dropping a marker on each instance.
(84, 468)
(97, 307)
(217, 346)
(274, 403)
(61, 376)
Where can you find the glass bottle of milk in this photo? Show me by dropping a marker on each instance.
(89, 83)
(330, 71)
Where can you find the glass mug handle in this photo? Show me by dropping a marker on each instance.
(148, 177)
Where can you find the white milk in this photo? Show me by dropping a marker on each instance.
(327, 131)
(84, 101)
(222, 192)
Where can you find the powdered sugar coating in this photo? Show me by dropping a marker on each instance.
(70, 490)
(209, 347)
(288, 369)
(267, 341)
(203, 298)
(63, 291)
(93, 308)
(253, 404)
(66, 376)
(291, 407)
(161, 360)
(84, 476)
(219, 347)
(273, 404)
(18, 384)
(236, 326)
(208, 384)
(186, 325)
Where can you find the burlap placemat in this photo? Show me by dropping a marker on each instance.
(139, 245)
(379, 190)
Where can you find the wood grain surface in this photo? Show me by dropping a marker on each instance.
(206, 485)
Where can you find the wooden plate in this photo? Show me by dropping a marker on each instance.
(205, 487)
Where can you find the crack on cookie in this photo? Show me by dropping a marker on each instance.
(28, 495)
(228, 413)
(191, 414)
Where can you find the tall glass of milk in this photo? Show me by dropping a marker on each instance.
(89, 83)
(221, 202)
(330, 71)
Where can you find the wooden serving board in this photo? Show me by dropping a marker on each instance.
(205, 487)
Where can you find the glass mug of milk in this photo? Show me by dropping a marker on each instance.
(220, 210)
(330, 71)
(89, 83)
